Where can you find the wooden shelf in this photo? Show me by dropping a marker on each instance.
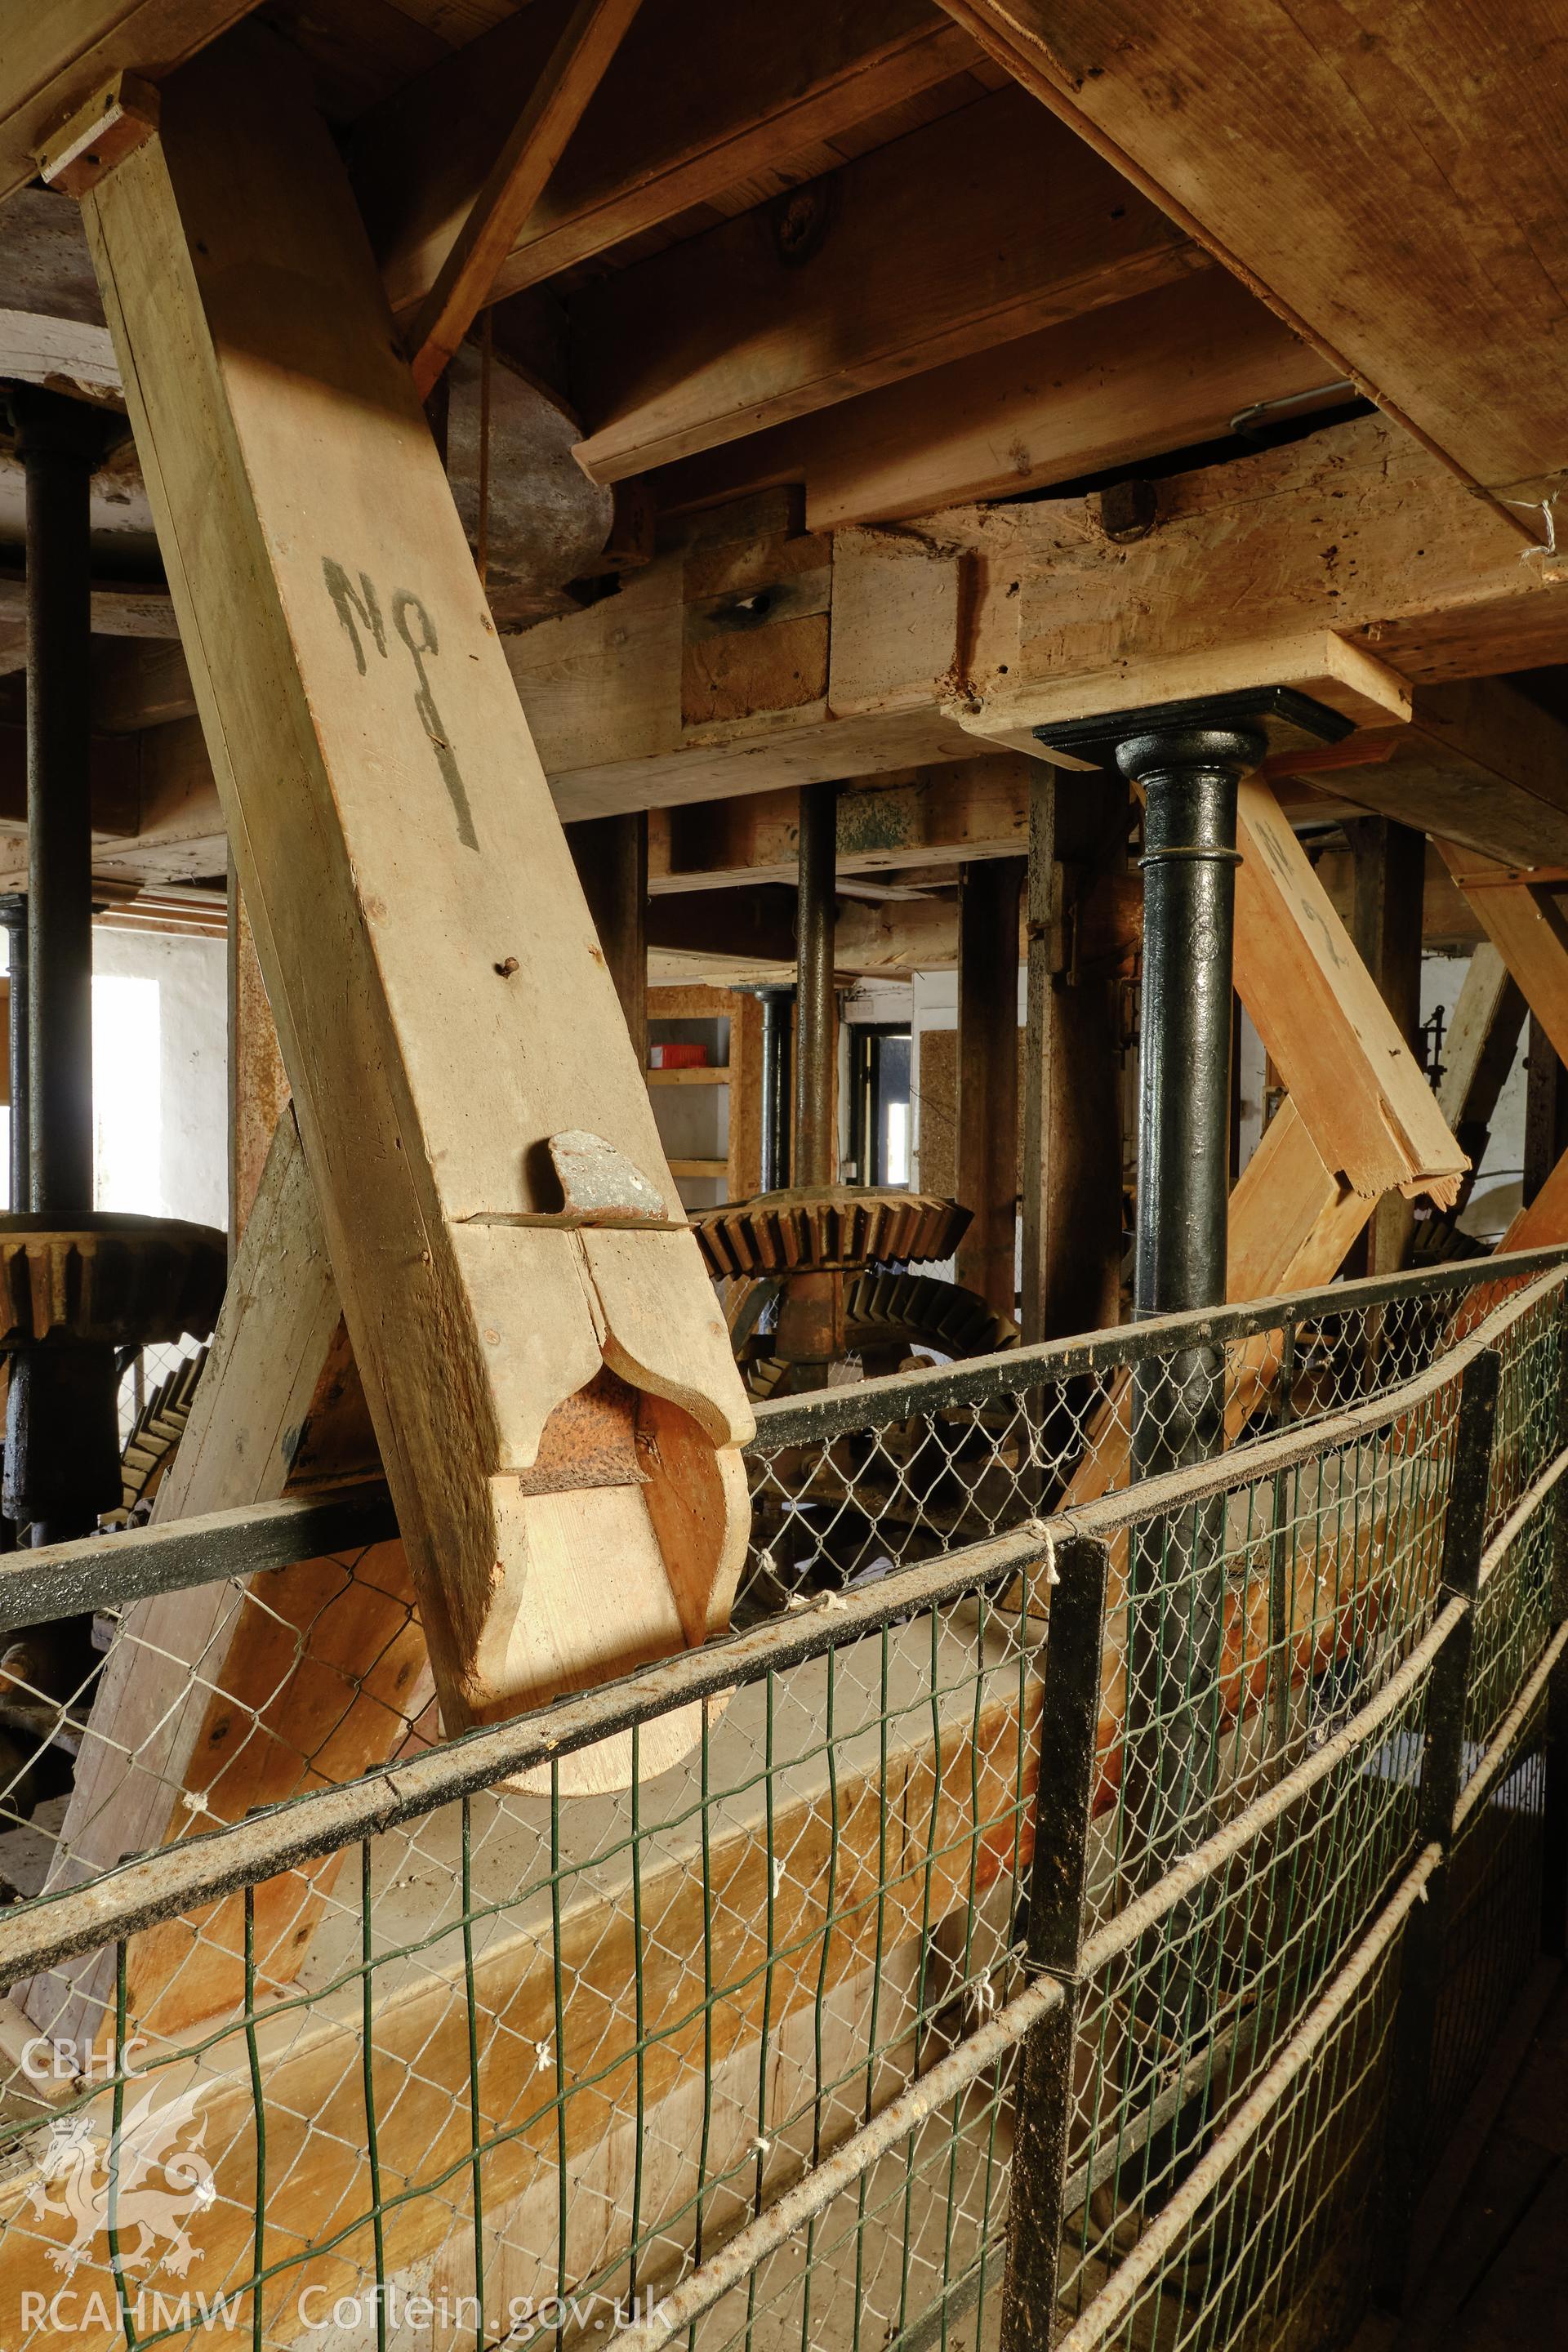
(698, 1167)
(710, 1074)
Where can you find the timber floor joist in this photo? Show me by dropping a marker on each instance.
(887, 266)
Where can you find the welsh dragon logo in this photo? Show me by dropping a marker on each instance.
(161, 2183)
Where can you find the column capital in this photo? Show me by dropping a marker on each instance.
(1232, 731)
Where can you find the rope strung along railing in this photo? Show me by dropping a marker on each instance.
(774, 2041)
(886, 1471)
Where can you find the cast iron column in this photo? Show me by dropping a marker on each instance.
(1189, 776)
(1188, 760)
(13, 919)
(815, 1138)
(61, 443)
(987, 1091)
(62, 1451)
(775, 1085)
(811, 1326)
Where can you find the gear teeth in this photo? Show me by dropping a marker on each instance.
(841, 1228)
(919, 1308)
(124, 1280)
(159, 1428)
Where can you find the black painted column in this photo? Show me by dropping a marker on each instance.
(1187, 760)
(62, 1449)
(777, 1004)
(61, 443)
(816, 1027)
(13, 919)
(1189, 778)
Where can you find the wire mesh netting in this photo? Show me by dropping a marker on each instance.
(444, 2057)
(870, 1476)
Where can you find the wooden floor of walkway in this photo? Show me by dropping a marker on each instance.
(1496, 2277)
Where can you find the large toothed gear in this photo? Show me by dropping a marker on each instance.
(111, 1279)
(154, 1439)
(838, 1228)
(889, 1316)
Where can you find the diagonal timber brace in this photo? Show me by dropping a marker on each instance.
(1359, 1119)
(549, 1379)
(1524, 922)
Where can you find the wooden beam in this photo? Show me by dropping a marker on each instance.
(789, 310)
(1158, 371)
(1527, 925)
(621, 704)
(1478, 1051)
(1479, 763)
(198, 1697)
(1292, 1218)
(949, 816)
(258, 1082)
(514, 183)
(659, 138)
(610, 853)
(1389, 865)
(1346, 1066)
(1387, 202)
(114, 783)
(120, 608)
(136, 684)
(1545, 1110)
(987, 1103)
(1349, 563)
(58, 59)
(744, 1149)
(1544, 1222)
(1484, 1011)
(341, 650)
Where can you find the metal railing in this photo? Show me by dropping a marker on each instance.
(926, 1932)
(851, 1481)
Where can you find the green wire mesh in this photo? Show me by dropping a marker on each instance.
(515, 2070)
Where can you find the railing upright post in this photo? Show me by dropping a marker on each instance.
(1064, 1798)
(1442, 1781)
(1555, 1823)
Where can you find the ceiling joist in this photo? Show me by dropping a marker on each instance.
(1399, 199)
(990, 224)
(703, 96)
(515, 183)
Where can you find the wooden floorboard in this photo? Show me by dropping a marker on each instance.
(1500, 2281)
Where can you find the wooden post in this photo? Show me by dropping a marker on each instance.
(1389, 862)
(1545, 1109)
(744, 1175)
(1478, 1055)
(1072, 1104)
(241, 1694)
(610, 853)
(988, 1077)
(549, 1379)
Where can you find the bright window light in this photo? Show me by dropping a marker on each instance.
(126, 1063)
